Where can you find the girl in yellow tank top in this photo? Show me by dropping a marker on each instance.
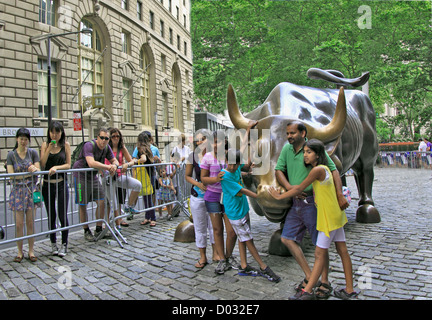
(330, 218)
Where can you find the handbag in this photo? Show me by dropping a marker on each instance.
(143, 176)
(37, 197)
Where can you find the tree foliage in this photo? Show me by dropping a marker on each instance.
(256, 44)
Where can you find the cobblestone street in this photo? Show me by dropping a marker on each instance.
(391, 259)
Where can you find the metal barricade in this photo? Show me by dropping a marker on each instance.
(42, 219)
(405, 159)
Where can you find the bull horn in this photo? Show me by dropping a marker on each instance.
(336, 126)
(238, 120)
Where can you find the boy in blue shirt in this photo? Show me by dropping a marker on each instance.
(237, 211)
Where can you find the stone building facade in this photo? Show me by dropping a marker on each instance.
(133, 72)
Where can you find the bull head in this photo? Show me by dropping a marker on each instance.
(276, 126)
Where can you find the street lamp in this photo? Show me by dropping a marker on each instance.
(49, 36)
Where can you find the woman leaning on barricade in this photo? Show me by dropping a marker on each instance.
(123, 180)
(56, 155)
(23, 159)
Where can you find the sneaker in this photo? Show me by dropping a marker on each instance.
(169, 217)
(98, 234)
(248, 271)
(89, 236)
(222, 267)
(270, 275)
(129, 217)
(233, 263)
(63, 250)
(303, 295)
(130, 210)
(54, 249)
(342, 294)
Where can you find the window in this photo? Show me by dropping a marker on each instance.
(125, 41)
(90, 65)
(170, 36)
(127, 101)
(187, 78)
(178, 42)
(151, 21)
(170, 6)
(43, 88)
(185, 48)
(145, 90)
(175, 100)
(163, 63)
(165, 110)
(162, 29)
(124, 4)
(184, 20)
(139, 10)
(47, 10)
(177, 13)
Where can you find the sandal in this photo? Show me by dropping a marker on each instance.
(342, 294)
(32, 258)
(153, 223)
(124, 224)
(18, 259)
(200, 265)
(323, 291)
(145, 222)
(301, 285)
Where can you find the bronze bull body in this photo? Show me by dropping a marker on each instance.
(343, 119)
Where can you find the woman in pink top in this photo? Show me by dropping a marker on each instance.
(211, 165)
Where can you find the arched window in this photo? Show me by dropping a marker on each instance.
(90, 64)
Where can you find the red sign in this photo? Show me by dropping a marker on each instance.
(77, 121)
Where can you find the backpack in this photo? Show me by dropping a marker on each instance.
(77, 153)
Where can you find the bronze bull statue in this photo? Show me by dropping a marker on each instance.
(344, 120)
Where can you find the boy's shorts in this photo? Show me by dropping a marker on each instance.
(324, 242)
(87, 190)
(242, 228)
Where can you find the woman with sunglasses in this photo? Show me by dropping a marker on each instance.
(23, 159)
(123, 180)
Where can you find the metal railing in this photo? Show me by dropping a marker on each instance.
(42, 213)
(405, 159)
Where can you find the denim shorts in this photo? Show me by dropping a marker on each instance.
(302, 216)
(214, 207)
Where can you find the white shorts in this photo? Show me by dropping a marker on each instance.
(242, 228)
(324, 242)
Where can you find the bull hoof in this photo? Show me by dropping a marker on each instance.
(367, 213)
(276, 247)
(185, 232)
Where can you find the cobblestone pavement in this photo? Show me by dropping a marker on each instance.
(391, 259)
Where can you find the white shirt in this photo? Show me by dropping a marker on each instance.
(422, 146)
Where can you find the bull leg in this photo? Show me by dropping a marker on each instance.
(366, 212)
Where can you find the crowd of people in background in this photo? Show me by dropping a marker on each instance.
(218, 202)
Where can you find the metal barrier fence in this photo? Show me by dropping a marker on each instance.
(44, 223)
(405, 159)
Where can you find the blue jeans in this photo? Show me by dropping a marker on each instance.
(301, 216)
(214, 207)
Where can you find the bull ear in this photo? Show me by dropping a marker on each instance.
(334, 129)
(237, 118)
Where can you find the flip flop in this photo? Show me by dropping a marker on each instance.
(200, 265)
(145, 222)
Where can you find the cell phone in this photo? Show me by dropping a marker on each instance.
(53, 141)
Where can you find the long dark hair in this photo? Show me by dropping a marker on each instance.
(22, 132)
(57, 126)
(318, 147)
(111, 132)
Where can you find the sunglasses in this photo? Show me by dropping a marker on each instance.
(104, 138)
(115, 136)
